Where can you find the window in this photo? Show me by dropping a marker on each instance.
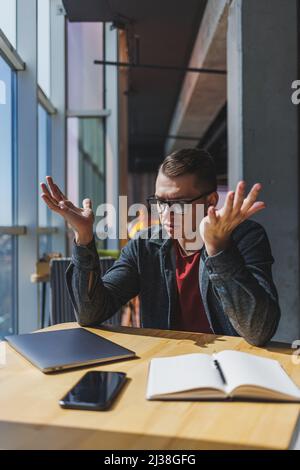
(85, 79)
(8, 314)
(44, 45)
(85, 126)
(27, 138)
(86, 163)
(44, 169)
(8, 20)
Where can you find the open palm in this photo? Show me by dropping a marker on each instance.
(80, 219)
(217, 226)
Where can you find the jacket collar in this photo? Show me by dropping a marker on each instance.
(160, 236)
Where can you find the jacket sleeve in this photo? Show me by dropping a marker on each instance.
(241, 277)
(97, 298)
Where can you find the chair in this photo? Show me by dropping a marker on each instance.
(61, 308)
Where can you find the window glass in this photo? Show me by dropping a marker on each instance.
(8, 314)
(86, 163)
(44, 45)
(44, 169)
(8, 20)
(6, 141)
(85, 79)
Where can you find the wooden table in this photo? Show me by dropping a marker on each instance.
(30, 417)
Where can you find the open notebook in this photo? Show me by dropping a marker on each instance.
(227, 374)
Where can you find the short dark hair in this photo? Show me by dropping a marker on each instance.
(191, 161)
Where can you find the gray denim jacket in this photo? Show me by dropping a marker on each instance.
(236, 285)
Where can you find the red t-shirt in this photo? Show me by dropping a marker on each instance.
(190, 312)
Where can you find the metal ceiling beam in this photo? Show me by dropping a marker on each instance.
(163, 137)
(161, 67)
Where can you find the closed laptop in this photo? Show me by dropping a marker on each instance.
(62, 349)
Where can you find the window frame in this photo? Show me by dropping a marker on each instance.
(25, 231)
(81, 114)
(48, 107)
(12, 230)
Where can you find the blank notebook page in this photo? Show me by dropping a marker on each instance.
(246, 369)
(180, 373)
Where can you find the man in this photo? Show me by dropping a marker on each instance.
(220, 283)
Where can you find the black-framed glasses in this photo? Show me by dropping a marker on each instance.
(179, 206)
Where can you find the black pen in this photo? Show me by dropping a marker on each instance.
(217, 364)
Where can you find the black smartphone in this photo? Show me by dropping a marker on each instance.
(96, 390)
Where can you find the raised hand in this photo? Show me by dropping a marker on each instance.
(217, 226)
(80, 219)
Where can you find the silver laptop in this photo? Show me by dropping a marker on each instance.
(63, 349)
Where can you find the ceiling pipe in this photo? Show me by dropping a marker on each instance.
(161, 67)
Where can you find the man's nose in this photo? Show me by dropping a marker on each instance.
(169, 214)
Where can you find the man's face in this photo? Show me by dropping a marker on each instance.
(183, 187)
